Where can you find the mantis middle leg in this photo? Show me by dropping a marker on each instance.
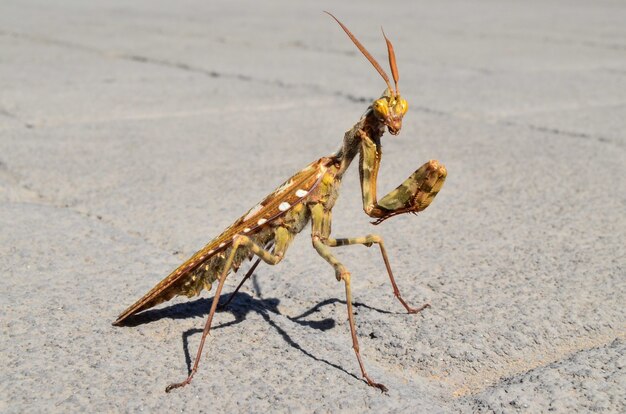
(246, 277)
(320, 229)
(368, 241)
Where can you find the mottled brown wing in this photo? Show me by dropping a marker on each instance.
(286, 196)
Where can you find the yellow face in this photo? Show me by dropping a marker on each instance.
(390, 109)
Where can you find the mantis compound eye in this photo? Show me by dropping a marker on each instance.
(380, 108)
(401, 106)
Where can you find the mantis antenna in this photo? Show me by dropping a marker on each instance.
(369, 56)
(392, 61)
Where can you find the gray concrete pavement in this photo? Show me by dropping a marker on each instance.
(131, 134)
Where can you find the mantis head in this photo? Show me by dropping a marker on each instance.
(390, 107)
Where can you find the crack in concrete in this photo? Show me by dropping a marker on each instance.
(298, 44)
(184, 66)
(590, 43)
(564, 133)
(545, 38)
(549, 130)
(433, 111)
(25, 193)
(279, 83)
(43, 201)
(615, 71)
(245, 78)
(47, 202)
(35, 197)
(228, 109)
(540, 128)
(491, 377)
(5, 112)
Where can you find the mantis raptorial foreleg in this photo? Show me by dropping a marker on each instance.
(368, 241)
(283, 238)
(412, 196)
(368, 170)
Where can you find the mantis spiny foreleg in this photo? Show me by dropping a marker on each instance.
(412, 196)
(368, 169)
(282, 237)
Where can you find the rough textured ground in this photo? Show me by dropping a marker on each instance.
(132, 133)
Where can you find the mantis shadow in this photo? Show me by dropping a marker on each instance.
(241, 305)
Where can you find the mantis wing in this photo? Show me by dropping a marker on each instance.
(291, 193)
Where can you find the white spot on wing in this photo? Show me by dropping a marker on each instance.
(284, 206)
(222, 245)
(247, 229)
(261, 221)
(253, 211)
(301, 193)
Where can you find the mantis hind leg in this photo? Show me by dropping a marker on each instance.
(283, 238)
(368, 241)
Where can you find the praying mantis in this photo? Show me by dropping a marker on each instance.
(267, 229)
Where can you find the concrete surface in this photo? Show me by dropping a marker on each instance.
(132, 133)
